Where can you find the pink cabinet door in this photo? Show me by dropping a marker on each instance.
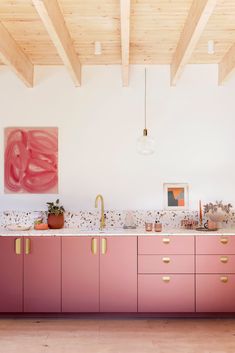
(165, 245)
(118, 274)
(42, 274)
(11, 274)
(215, 293)
(166, 293)
(80, 274)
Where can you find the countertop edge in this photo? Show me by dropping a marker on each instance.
(114, 232)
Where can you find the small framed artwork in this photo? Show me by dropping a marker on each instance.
(175, 196)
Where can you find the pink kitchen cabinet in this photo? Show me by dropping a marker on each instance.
(165, 264)
(215, 293)
(118, 274)
(150, 245)
(11, 274)
(214, 244)
(166, 293)
(42, 274)
(80, 274)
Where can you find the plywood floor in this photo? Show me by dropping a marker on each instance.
(117, 336)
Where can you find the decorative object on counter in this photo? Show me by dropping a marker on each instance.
(31, 160)
(17, 227)
(157, 227)
(55, 215)
(129, 222)
(200, 214)
(148, 226)
(217, 212)
(145, 144)
(201, 225)
(189, 223)
(175, 196)
(39, 225)
(210, 225)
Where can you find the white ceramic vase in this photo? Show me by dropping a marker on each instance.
(217, 216)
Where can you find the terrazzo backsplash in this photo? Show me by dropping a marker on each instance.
(89, 220)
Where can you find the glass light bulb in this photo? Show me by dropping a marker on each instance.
(145, 145)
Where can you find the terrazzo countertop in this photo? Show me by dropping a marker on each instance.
(113, 232)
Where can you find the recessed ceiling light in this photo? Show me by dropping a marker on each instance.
(98, 48)
(211, 47)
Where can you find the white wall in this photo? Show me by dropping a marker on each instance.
(99, 123)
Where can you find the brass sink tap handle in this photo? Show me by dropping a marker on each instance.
(102, 218)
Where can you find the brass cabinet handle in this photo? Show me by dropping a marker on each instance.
(103, 246)
(94, 246)
(166, 260)
(224, 240)
(18, 246)
(27, 246)
(224, 279)
(166, 279)
(166, 240)
(224, 259)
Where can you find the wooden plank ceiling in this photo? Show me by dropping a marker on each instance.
(156, 27)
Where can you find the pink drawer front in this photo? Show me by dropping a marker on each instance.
(215, 293)
(166, 293)
(215, 264)
(165, 245)
(214, 244)
(166, 264)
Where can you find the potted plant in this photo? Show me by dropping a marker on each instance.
(55, 215)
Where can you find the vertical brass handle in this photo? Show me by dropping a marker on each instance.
(166, 279)
(224, 279)
(103, 246)
(166, 240)
(27, 246)
(18, 246)
(224, 240)
(224, 259)
(166, 260)
(94, 246)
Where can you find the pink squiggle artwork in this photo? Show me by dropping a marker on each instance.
(31, 160)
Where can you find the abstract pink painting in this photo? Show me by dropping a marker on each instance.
(31, 160)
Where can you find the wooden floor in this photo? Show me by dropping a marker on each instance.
(117, 335)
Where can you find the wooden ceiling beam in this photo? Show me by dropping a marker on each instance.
(53, 20)
(125, 7)
(14, 57)
(227, 65)
(195, 24)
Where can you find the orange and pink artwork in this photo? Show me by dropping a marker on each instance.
(31, 160)
(176, 196)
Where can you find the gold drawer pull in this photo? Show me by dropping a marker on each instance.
(224, 259)
(103, 246)
(166, 279)
(27, 246)
(224, 240)
(18, 246)
(94, 246)
(224, 279)
(166, 240)
(166, 260)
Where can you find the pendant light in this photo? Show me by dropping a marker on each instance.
(145, 144)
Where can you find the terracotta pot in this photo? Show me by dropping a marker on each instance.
(55, 222)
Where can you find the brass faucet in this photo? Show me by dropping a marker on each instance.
(102, 218)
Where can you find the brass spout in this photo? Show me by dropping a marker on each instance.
(102, 218)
